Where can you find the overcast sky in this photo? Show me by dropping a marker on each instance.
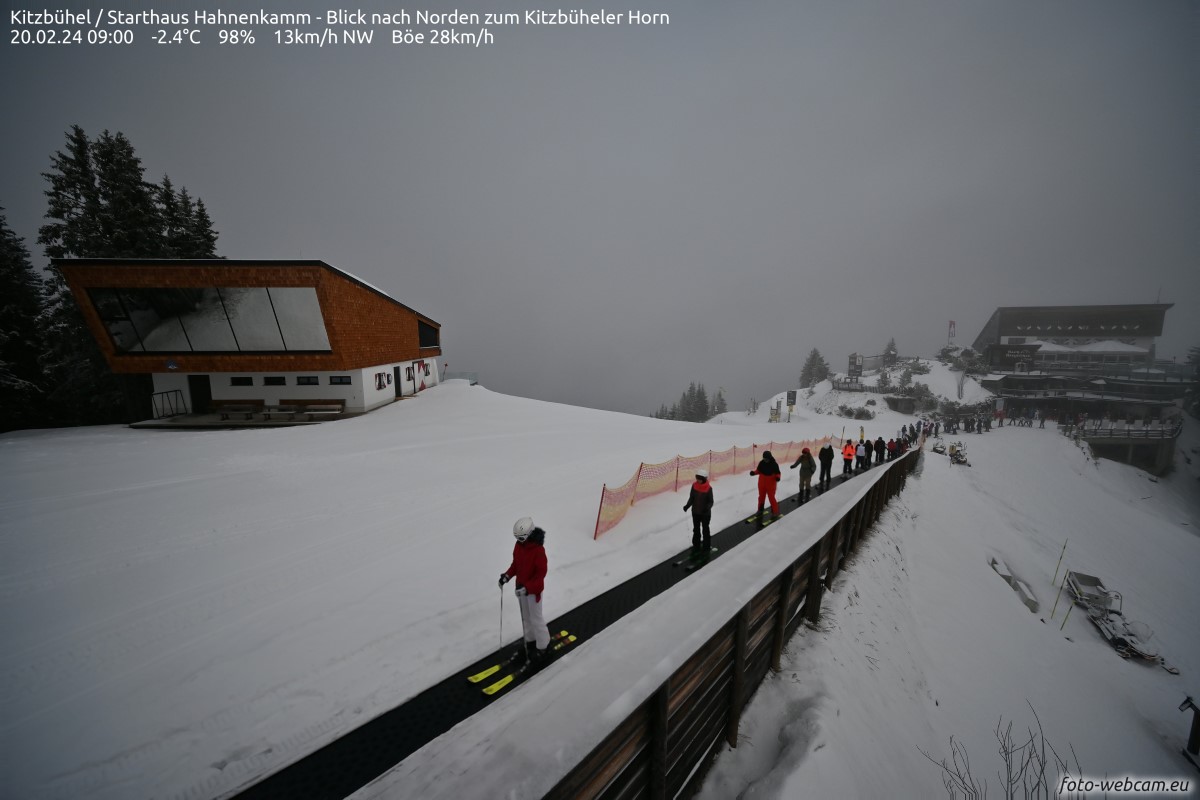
(601, 215)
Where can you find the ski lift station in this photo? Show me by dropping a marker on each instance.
(239, 342)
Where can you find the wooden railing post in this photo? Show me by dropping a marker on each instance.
(781, 619)
(856, 517)
(835, 553)
(737, 691)
(812, 599)
(659, 713)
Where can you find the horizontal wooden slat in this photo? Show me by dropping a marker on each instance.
(633, 783)
(607, 761)
(715, 699)
(699, 669)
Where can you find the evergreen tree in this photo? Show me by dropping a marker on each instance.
(718, 405)
(814, 370)
(203, 238)
(701, 408)
(130, 226)
(173, 222)
(99, 205)
(890, 354)
(74, 201)
(20, 307)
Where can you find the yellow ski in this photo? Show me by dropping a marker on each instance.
(563, 640)
(492, 670)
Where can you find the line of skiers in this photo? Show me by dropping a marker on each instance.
(529, 564)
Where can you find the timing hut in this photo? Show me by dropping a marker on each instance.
(257, 334)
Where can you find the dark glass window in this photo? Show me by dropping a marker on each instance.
(339, 380)
(275, 380)
(212, 319)
(427, 335)
(241, 381)
(307, 380)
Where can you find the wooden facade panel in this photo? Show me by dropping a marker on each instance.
(709, 727)
(699, 668)
(709, 699)
(692, 768)
(365, 328)
(604, 764)
(633, 783)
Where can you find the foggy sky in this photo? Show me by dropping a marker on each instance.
(599, 216)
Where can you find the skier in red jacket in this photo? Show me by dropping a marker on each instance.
(529, 568)
(768, 479)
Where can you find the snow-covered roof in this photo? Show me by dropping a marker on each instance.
(1051, 347)
(1106, 346)
(1110, 346)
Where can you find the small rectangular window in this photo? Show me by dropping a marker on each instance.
(241, 381)
(339, 380)
(307, 380)
(274, 380)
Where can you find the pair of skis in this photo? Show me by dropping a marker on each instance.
(558, 642)
(696, 559)
(767, 520)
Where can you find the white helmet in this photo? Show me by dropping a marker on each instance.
(702, 473)
(522, 528)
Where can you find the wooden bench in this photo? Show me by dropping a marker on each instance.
(226, 409)
(322, 410)
(280, 410)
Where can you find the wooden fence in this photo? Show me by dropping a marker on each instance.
(664, 748)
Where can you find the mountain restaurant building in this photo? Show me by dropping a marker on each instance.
(255, 335)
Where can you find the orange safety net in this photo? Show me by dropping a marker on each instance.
(653, 479)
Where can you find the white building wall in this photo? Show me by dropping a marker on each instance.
(363, 393)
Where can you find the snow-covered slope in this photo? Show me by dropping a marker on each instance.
(182, 611)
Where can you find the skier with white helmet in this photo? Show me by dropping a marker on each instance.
(529, 568)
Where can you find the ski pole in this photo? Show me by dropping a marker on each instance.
(502, 616)
(1060, 588)
(1067, 617)
(1059, 564)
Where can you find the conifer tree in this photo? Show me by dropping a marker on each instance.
(890, 354)
(99, 205)
(203, 238)
(700, 409)
(130, 225)
(20, 306)
(814, 370)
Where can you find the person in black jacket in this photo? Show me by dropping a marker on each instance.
(700, 501)
(880, 449)
(768, 478)
(825, 456)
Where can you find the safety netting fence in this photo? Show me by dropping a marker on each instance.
(669, 476)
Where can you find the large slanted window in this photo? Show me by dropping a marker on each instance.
(427, 335)
(212, 319)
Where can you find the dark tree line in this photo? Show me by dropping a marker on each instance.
(99, 205)
(694, 405)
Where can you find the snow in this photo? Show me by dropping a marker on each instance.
(186, 611)
(1111, 346)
